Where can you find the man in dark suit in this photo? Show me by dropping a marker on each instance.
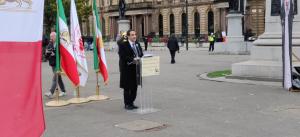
(130, 53)
(173, 47)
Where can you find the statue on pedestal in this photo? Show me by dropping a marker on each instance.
(122, 7)
(275, 7)
(234, 6)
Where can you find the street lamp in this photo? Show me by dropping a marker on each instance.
(186, 25)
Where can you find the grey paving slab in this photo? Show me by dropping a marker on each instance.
(140, 125)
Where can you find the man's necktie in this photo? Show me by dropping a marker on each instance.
(135, 50)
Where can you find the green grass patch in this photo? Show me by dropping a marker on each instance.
(217, 74)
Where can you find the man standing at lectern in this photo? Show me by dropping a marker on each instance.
(130, 53)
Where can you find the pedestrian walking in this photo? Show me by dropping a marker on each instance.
(51, 57)
(173, 47)
(145, 42)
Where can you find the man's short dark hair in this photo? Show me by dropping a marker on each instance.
(128, 32)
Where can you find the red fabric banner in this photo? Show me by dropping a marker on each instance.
(20, 91)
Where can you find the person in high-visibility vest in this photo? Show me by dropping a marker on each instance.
(211, 40)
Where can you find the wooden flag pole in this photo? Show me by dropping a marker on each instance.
(98, 96)
(57, 102)
(98, 86)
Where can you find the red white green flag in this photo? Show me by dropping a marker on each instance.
(66, 52)
(99, 53)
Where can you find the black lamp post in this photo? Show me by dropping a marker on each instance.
(186, 25)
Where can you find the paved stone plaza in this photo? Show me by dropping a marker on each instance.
(189, 107)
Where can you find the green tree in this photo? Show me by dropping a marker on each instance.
(83, 8)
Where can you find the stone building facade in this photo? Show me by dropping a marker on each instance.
(163, 17)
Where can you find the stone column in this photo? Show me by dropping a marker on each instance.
(135, 26)
(146, 27)
(266, 56)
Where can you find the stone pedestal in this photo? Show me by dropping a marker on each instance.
(266, 54)
(124, 25)
(235, 40)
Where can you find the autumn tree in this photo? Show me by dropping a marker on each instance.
(84, 10)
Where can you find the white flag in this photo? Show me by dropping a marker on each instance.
(78, 46)
(287, 23)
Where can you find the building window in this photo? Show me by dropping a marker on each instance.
(160, 24)
(183, 24)
(172, 24)
(197, 24)
(210, 22)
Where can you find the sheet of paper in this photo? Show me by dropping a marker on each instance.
(150, 66)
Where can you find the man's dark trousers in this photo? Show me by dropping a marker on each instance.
(146, 46)
(130, 95)
(54, 83)
(212, 46)
(172, 52)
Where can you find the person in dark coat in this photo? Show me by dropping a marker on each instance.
(145, 42)
(121, 42)
(173, 47)
(130, 53)
(45, 42)
(50, 56)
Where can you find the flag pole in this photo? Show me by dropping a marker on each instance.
(56, 88)
(78, 99)
(98, 96)
(97, 53)
(57, 102)
(98, 86)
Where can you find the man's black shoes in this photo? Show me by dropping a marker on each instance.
(130, 107)
(135, 107)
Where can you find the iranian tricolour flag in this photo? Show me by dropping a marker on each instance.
(78, 45)
(20, 70)
(66, 51)
(99, 54)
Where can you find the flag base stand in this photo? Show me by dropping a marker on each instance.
(78, 100)
(57, 103)
(98, 97)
